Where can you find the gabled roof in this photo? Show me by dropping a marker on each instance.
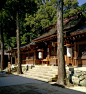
(79, 31)
(49, 33)
(68, 24)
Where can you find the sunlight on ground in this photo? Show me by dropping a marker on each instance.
(78, 88)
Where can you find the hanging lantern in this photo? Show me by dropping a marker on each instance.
(47, 49)
(40, 55)
(69, 52)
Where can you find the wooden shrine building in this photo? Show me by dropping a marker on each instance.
(43, 50)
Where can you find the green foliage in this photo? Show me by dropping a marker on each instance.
(8, 14)
(12, 42)
(83, 6)
(44, 17)
(33, 20)
(70, 8)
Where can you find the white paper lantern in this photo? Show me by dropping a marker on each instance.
(40, 55)
(69, 52)
(47, 49)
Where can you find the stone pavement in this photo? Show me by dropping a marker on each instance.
(14, 84)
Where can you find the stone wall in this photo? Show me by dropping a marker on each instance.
(78, 76)
(25, 67)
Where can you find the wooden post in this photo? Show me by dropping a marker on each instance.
(75, 54)
(54, 50)
(11, 58)
(34, 57)
(48, 55)
(42, 56)
(72, 57)
(15, 58)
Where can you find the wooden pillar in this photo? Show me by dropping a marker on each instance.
(54, 50)
(34, 57)
(75, 54)
(11, 58)
(15, 58)
(48, 55)
(72, 57)
(48, 50)
(42, 56)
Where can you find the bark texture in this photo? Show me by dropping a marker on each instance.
(2, 48)
(60, 43)
(19, 70)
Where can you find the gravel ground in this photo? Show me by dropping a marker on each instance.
(78, 88)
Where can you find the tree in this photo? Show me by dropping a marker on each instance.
(83, 6)
(18, 8)
(2, 39)
(44, 17)
(19, 71)
(5, 33)
(60, 43)
(2, 4)
(70, 8)
(2, 44)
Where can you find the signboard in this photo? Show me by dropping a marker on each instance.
(69, 52)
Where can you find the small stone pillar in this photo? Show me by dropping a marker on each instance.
(9, 67)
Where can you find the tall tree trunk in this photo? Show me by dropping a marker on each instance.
(19, 70)
(2, 48)
(60, 43)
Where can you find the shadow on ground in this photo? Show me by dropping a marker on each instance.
(14, 84)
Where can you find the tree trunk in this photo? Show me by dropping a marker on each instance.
(19, 70)
(60, 43)
(2, 48)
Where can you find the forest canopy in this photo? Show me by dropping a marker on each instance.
(33, 20)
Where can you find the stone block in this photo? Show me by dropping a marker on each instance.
(75, 80)
(80, 69)
(85, 76)
(77, 74)
(84, 73)
(81, 78)
(14, 69)
(83, 82)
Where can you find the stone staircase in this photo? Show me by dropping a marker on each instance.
(43, 73)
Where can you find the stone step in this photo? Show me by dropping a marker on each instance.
(42, 73)
(37, 78)
(40, 77)
(35, 69)
(34, 77)
(46, 66)
(43, 69)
